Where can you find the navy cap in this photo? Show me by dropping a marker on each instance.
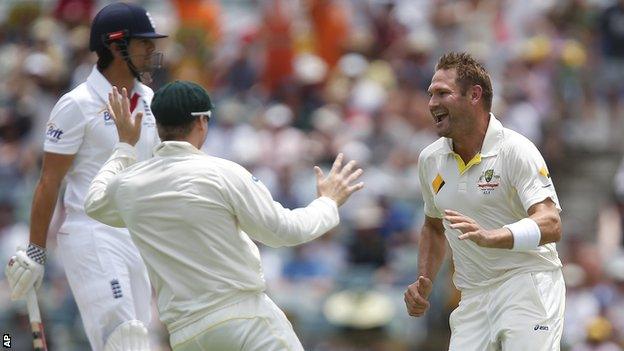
(121, 21)
(179, 102)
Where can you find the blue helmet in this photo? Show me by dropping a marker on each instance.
(121, 21)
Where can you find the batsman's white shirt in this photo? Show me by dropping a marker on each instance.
(192, 216)
(104, 270)
(81, 125)
(495, 188)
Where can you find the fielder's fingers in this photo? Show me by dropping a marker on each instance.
(125, 103)
(453, 213)
(469, 235)
(319, 173)
(463, 226)
(137, 120)
(354, 176)
(347, 168)
(337, 164)
(111, 112)
(355, 188)
(456, 218)
(115, 96)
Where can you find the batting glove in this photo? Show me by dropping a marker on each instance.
(25, 271)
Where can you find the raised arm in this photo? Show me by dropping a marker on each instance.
(267, 221)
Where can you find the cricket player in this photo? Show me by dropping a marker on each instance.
(193, 218)
(104, 269)
(488, 191)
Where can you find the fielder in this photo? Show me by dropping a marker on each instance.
(488, 190)
(104, 270)
(193, 216)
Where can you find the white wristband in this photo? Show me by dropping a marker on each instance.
(526, 234)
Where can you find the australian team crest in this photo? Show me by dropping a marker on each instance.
(488, 181)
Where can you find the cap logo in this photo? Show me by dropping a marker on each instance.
(116, 35)
(149, 17)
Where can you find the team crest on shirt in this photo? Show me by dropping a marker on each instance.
(488, 181)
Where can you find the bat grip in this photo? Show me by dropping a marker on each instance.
(33, 306)
(39, 343)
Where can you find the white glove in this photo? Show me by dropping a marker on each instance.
(23, 273)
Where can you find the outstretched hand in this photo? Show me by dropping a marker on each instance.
(338, 183)
(128, 127)
(471, 230)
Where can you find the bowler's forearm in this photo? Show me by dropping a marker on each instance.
(431, 252)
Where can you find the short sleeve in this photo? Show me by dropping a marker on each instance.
(529, 175)
(65, 129)
(427, 192)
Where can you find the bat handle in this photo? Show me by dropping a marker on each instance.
(33, 306)
(34, 316)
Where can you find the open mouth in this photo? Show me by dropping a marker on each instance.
(439, 116)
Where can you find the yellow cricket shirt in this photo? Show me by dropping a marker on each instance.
(495, 188)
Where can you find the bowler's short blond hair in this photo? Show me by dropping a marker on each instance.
(469, 72)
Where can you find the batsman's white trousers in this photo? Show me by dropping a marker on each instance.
(253, 324)
(107, 277)
(524, 312)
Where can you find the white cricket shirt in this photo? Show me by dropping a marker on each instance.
(81, 125)
(192, 216)
(495, 188)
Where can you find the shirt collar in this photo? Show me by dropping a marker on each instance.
(491, 142)
(175, 148)
(102, 86)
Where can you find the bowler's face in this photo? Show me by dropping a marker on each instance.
(446, 103)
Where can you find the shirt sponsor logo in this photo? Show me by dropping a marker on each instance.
(540, 327)
(146, 108)
(488, 181)
(544, 172)
(53, 133)
(437, 184)
(148, 118)
(108, 119)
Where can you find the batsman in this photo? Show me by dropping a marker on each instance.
(104, 269)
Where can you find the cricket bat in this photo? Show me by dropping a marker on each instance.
(34, 316)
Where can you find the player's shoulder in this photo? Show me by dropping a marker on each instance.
(434, 149)
(515, 144)
(226, 167)
(74, 99)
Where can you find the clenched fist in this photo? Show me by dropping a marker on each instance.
(417, 296)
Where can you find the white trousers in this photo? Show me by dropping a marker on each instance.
(524, 312)
(254, 324)
(107, 277)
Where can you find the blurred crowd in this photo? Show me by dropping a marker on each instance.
(297, 81)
